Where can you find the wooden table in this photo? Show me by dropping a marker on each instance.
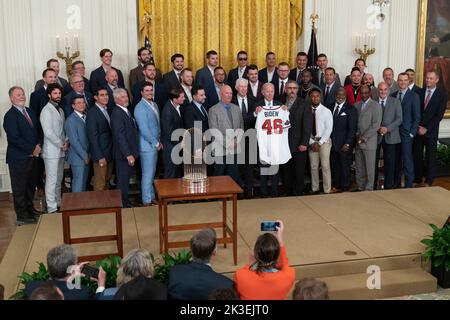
(92, 203)
(172, 190)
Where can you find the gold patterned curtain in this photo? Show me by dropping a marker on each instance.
(193, 27)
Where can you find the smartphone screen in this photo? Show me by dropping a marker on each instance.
(90, 271)
(269, 226)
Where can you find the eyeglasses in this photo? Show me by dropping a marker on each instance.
(242, 59)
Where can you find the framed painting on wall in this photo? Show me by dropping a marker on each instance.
(433, 43)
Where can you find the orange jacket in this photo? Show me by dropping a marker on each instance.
(266, 285)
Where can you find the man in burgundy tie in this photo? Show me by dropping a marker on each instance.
(434, 103)
(24, 147)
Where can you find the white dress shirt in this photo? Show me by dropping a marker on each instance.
(188, 92)
(324, 125)
(270, 75)
(254, 87)
(239, 99)
(241, 72)
(285, 83)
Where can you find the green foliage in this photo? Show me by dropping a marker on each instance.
(443, 155)
(167, 261)
(438, 247)
(110, 265)
(41, 275)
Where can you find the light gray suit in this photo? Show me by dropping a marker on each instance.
(369, 121)
(392, 119)
(218, 118)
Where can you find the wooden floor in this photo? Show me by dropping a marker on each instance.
(7, 216)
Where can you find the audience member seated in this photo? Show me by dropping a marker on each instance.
(47, 291)
(310, 289)
(268, 276)
(63, 269)
(142, 288)
(224, 294)
(136, 264)
(196, 281)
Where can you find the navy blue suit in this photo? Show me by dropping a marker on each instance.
(191, 114)
(22, 140)
(67, 103)
(171, 81)
(38, 100)
(99, 135)
(98, 80)
(345, 125)
(264, 77)
(160, 96)
(205, 79)
(195, 281)
(431, 118)
(111, 104)
(408, 130)
(170, 121)
(233, 76)
(330, 99)
(125, 143)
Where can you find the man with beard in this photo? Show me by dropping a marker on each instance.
(187, 79)
(172, 79)
(353, 90)
(159, 89)
(54, 148)
(136, 75)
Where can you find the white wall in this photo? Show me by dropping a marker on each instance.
(27, 40)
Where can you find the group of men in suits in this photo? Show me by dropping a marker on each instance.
(98, 125)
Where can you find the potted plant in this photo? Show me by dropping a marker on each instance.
(167, 261)
(438, 251)
(443, 160)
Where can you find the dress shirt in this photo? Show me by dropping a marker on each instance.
(338, 107)
(211, 69)
(411, 86)
(270, 75)
(155, 110)
(241, 72)
(188, 92)
(254, 87)
(105, 112)
(239, 99)
(217, 89)
(81, 115)
(279, 85)
(324, 125)
(125, 110)
(201, 109)
(176, 108)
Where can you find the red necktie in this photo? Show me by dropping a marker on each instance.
(25, 113)
(427, 100)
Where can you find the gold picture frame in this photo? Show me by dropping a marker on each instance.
(422, 46)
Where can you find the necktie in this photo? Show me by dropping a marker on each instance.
(205, 114)
(83, 117)
(230, 116)
(327, 92)
(321, 78)
(336, 111)
(400, 96)
(282, 88)
(299, 78)
(244, 107)
(427, 100)
(179, 78)
(27, 117)
(314, 125)
(382, 103)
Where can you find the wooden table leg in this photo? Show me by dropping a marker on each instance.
(235, 229)
(166, 227)
(224, 221)
(66, 227)
(119, 231)
(161, 226)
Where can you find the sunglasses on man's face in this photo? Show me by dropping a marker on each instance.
(242, 59)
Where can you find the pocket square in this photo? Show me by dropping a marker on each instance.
(343, 114)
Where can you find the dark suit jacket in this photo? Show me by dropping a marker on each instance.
(205, 79)
(171, 80)
(67, 102)
(170, 121)
(190, 114)
(277, 96)
(316, 78)
(301, 125)
(38, 100)
(87, 87)
(264, 78)
(84, 293)
(432, 116)
(293, 74)
(61, 81)
(160, 94)
(411, 113)
(233, 76)
(137, 75)
(331, 98)
(344, 126)
(22, 138)
(99, 135)
(195, 281)
(259, 95)
(249, 117)
(98, 79)
(124, 134)
(417, 90)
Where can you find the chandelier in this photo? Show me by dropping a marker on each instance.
(381, 3)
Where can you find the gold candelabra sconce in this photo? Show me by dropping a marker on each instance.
(365, 45)
(70, 43)
(314, 18)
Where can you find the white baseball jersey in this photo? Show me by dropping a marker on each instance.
(272, 127)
